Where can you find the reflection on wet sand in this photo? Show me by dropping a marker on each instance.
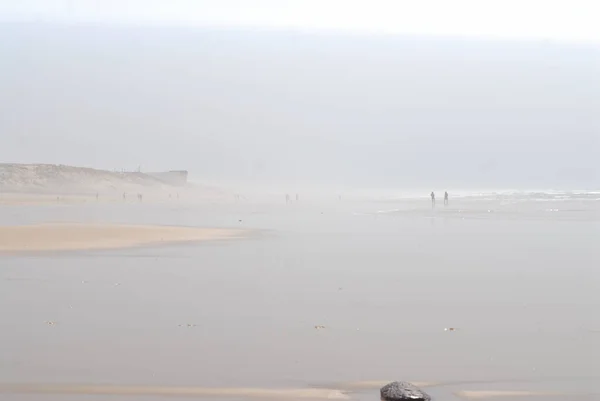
(383, 286)
(344, 391)
(262, 393)
(486, 394)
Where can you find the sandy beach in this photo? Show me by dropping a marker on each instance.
(261, 200)
(64, 237)
(338, 300)
(260, 393)
(10, 199)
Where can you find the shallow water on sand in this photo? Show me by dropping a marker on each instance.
(385, 280)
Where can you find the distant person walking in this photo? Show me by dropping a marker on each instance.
(446, 198)
(287, 198)
(432, 199)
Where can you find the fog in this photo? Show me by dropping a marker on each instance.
(302, 256)
(276, 108)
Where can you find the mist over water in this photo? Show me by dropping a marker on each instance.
(514, 275)
(323, 149)
(316, 111)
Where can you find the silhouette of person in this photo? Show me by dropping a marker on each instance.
(287, 198)
(432, 199)
(446, 198)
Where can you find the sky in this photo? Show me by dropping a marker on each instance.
(572, 20)
(288, 108)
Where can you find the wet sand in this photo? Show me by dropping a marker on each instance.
(194, 392)
(236, 319)
(12, 199)
(63, 237)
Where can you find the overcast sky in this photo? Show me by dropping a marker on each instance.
(555, 19)
(337, 100)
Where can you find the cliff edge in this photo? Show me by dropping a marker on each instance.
(51, 178)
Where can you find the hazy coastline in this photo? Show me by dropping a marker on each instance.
(233, 201)
(347, 265)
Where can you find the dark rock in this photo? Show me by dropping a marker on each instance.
(400, 391)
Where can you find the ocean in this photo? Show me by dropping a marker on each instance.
(496, 291)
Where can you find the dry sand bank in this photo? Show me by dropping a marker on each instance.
(62, 237)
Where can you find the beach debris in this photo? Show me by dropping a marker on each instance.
(400, 391)
(50, 323)
(319, 327)
(117, 283)
(450, 329)
(186, 325)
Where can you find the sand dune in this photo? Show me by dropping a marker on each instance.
(62, 237)
(48, 177)
(27, 184)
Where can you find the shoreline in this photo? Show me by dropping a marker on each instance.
(307, 393)
(76, 237)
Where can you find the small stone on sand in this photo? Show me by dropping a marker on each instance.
(401, 391)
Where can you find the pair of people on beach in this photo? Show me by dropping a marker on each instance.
(288, 199)
(433, 198)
